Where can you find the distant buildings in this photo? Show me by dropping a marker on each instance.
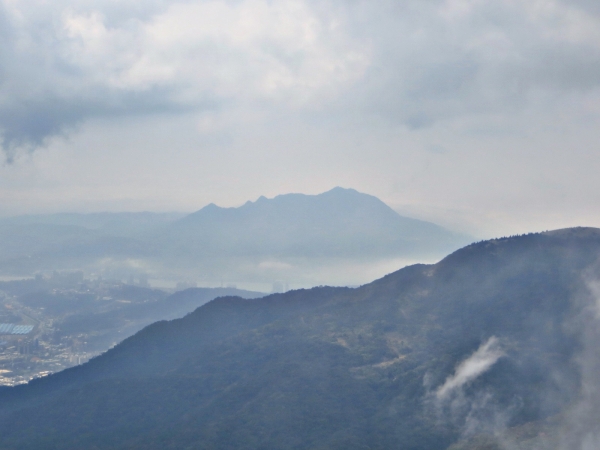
(12, 329)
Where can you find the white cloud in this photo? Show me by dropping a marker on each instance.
(442, 59)
(414, 62)
(248, 48)
(475, 365)
(86, 60)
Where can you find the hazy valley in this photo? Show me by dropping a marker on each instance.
(339, 237)
(83, 283)
(71, 319)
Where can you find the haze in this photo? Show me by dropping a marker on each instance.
(480, 116)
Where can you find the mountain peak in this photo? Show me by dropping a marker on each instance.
(342, 190)
(339, 222)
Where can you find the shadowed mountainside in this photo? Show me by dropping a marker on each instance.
(467, 352)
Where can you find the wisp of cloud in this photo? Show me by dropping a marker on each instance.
(478, 363)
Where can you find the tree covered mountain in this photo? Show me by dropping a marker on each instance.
(493, 345)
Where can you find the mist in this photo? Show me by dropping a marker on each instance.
(478, 363)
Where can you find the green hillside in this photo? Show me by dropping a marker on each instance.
(376, 367)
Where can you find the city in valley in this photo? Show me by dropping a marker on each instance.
(50, 323)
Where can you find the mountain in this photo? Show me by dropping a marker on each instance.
(493, 347)
(337, 223)
(305, 240)
(75, 319)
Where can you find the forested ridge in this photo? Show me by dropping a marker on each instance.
(329, 368)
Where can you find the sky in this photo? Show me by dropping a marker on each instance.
(480, 115)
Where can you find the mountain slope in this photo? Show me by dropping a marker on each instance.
(104, 328)
(374, 367)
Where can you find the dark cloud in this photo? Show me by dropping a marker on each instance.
(589, 6)
(432, 62)
(413, 62)
(44, 94)
(29, 124)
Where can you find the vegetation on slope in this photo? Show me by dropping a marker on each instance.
(343, 368)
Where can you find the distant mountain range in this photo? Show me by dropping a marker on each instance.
(493, 347)
(222, 242)
(337, 223)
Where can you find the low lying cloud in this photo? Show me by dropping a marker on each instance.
(578, 429)
(475, 365)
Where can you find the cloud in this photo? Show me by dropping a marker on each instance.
(412, 62)
(439, 60)
(64, 64)
(578, 428)
(475, 365)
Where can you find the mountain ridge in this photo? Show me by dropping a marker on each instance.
(335, 223)
(290, 237)
(339, 367)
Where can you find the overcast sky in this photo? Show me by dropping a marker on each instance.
(483, 115)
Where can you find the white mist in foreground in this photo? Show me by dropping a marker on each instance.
(579, 426)
(478, 363)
